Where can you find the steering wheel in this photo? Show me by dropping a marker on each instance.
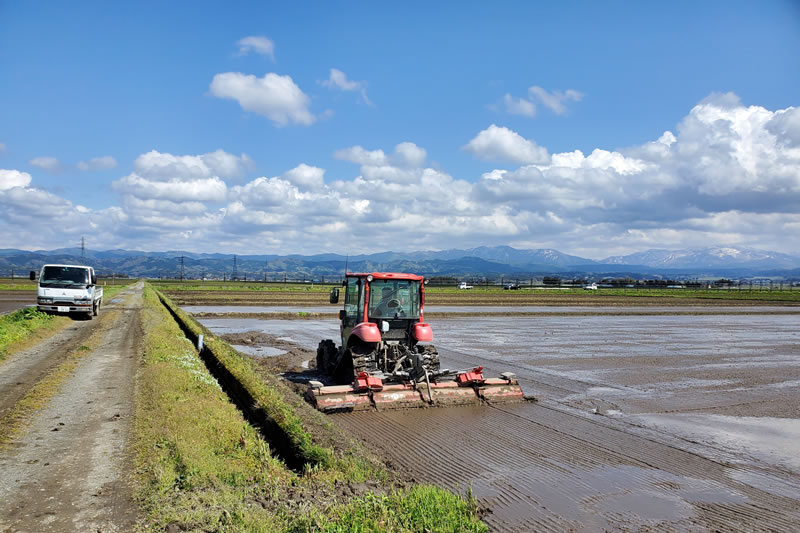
(394, 302)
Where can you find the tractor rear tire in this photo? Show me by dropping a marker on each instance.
(430, 357)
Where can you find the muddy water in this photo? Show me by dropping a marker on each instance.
(643, 422)
(16, 299)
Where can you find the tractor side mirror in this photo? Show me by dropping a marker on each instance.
(334, 295)
(33, 275)
(342, 314)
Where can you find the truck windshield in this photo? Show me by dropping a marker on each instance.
(57, 276)
(391, 298)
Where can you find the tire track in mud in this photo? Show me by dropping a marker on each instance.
(540, 469)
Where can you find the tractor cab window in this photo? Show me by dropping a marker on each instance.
(389, 298)
(352, 296)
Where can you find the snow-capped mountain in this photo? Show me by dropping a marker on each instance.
(726, 257)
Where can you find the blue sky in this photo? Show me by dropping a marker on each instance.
(266, 128)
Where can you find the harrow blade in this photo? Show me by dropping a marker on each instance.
(499, 390)
(407, 396)
(338, 398)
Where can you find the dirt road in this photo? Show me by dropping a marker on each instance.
(69, 469)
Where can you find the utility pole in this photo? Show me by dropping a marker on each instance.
(83, 250)
(235, 274)
(181, 268)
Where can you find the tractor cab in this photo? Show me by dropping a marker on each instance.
(383, 307)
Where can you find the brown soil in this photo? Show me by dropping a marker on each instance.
(291, 361)
(70, 470)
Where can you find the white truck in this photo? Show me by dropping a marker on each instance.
(68, 289)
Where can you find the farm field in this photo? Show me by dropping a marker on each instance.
(276, 294)
(680, 415)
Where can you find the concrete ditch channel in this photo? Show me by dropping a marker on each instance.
(670, 422)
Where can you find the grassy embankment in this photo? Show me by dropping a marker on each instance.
(203, 467)
(26, 327)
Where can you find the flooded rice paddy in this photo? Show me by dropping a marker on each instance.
(666, 423)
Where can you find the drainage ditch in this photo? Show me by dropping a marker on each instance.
(279, 441)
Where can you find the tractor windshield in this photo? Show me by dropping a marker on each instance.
(394, 298)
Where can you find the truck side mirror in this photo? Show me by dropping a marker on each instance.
(342, 314)
(33, 275)
(94, 279)
(334, 295)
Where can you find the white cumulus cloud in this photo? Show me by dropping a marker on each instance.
(338, 80)
(305, 176)
(727, 173)
(48, 164)
(258, 44)
(105, 162)
(274, 96)
(519, 106)
(555, 100)
(13, 178)
(501, 143)
(159, 166)
(175, 190)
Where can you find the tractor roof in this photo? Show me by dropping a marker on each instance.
(385, 275)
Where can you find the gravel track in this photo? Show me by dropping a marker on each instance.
(70, 471)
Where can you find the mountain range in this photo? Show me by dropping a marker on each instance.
(485, 261)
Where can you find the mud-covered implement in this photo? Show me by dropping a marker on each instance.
(370, 393)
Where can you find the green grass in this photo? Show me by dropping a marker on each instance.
(19, 326)
(421, 508)
(203, 468)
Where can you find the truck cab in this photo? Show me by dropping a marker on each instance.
(68, 289)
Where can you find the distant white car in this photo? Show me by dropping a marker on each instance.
(463, 285)
(590, 287)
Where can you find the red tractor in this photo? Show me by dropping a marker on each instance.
(385, 359)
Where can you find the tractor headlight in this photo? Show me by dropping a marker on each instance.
(369, 277)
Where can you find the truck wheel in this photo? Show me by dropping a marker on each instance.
(96, 309)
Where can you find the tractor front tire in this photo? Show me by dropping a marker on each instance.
(326, 356)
